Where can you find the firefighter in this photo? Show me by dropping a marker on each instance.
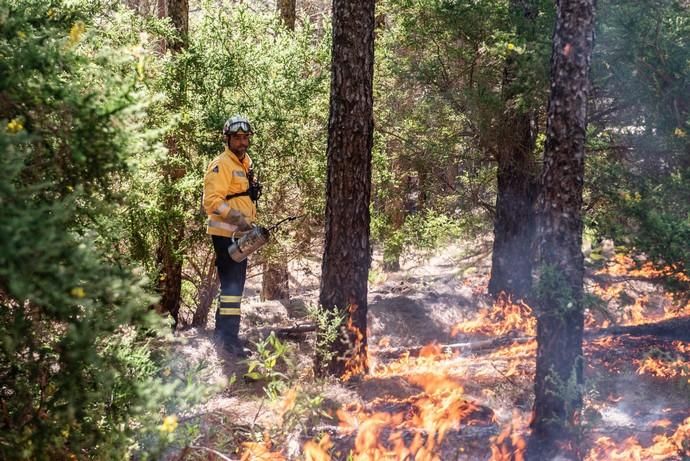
(230, 196)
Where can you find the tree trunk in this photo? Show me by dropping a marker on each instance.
(207, 274)
(178, 12)
(170, 279)
(559, 260)
(287, 8)
(170, 261)
(274, 284)
(514, 225)
(517, 181)
(346, 257)
(394, 209)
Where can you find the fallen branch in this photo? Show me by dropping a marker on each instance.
(466, 432)
(297, 330)
(472, 346)
(676, 328)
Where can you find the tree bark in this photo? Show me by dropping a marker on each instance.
(514, 224)
(559, 260)
(346, 256)
(178, 12)
(517, 183)
(207, 275)
(287, 10)
(170, 278)
(169, 259)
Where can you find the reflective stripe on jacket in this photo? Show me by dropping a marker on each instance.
(226, 175)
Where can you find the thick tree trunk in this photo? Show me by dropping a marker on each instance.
(346, 256)
(517, 181)
(559, 262)
(514, 225)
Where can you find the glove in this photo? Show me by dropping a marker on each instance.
(236, 218)
(243, 225)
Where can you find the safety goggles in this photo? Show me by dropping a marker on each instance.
(239, 126)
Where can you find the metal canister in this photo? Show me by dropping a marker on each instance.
(248, 244)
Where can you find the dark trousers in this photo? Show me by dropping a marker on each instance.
(232, 277)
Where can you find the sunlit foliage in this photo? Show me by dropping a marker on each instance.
(77, 378)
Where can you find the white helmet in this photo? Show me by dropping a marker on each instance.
(237, 123)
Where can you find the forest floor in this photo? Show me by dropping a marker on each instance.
(451, 372)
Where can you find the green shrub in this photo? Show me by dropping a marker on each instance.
(76, 363)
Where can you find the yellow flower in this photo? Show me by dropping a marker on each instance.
(169, 424)
(15, 126)
(76, 32)
(510, 46)
(680, 133)
(77, 292)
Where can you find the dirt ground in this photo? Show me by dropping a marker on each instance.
(416, 306)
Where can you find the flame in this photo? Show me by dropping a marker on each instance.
(663, 447)
(356, 363)
(255, 451)
(417, 431)
(385, 341)
(288, 402)
(683, 348)
(673, 308)
(510, 444)
(318, 451)
(623, 265)
(667, 366)
(503, 317)
(418, 426)
(429, 360)
(626, 267)
(636, 311)
(663, 423)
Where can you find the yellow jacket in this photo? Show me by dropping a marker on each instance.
(226, 175)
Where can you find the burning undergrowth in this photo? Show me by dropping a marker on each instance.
(470, 397)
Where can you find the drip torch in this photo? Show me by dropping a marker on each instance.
(253, 240)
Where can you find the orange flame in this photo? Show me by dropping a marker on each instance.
(318, 451)
(288, 402)
(510, 444)
(417, 431)
(356, 363)
(663, 447)
(254, 451)
(503, 317)
(666, 367)
(639, 312)
(625, 265)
